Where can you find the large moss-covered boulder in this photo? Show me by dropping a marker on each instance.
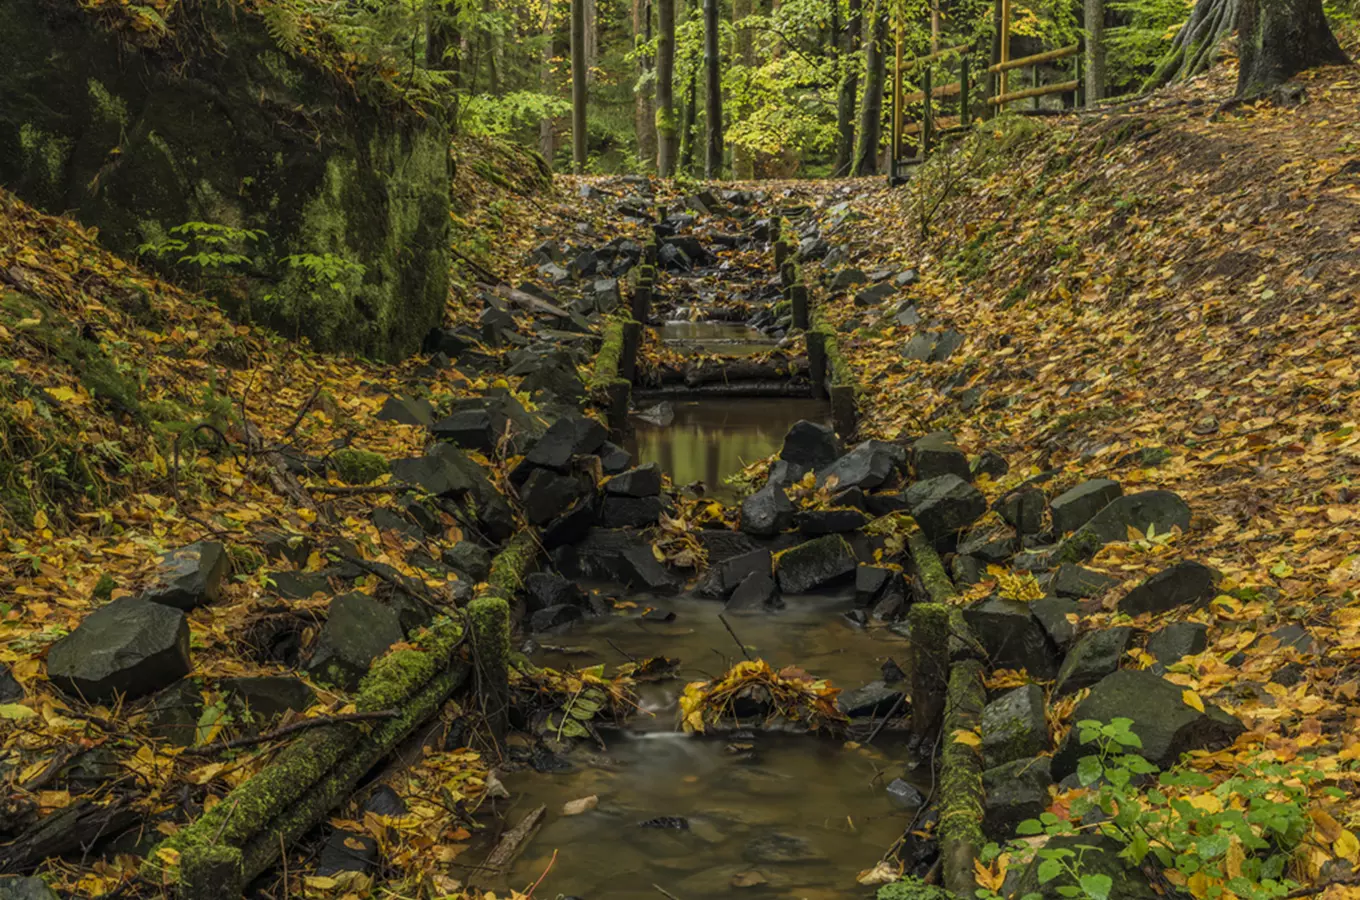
(217, 122)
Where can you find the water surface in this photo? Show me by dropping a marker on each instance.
(721, 338)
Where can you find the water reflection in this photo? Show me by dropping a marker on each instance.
(723, 338)
(714, 438)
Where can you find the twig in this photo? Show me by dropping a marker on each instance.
(304, 725)
(535, 885)
(723, 619)
(481, 271)
(1346, 880)
(396, 583)
(622, 652)
(352, 490)
(302, 411)
(664, 892)
(514, 838)
(879, 727)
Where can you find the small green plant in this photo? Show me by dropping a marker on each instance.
(204, 245)
(326, 269)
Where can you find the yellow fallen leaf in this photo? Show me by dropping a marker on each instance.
(62, 394)
(1347, 847)
(1192, 700)
(971, 738)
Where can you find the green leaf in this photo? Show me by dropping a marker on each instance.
(1049, 869)
(16, 712)
(1029, 827)
(1097, 887)
(1089, 770)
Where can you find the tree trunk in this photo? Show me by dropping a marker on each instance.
(871, 110)
(644, 112)
(667, 137)
(578, 85)
(848, 96)
(713, 155)
(1277, 39)
(688, 114)
(547, 136)
(743, 160)
(1094, 11)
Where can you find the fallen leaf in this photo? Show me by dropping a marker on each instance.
(584, 804)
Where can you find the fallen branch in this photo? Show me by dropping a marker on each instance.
(513, 840)
(301, 725)
(356, 490)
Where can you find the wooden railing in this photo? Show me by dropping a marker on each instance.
(929, 127)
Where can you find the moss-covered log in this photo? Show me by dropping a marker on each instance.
(512, 564)
(607, 386)
(222, 124)
(961, 794)
(490, 620)
(929, 569)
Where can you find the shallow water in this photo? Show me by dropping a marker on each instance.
(797, 815)
(713, 438)
(722, 338)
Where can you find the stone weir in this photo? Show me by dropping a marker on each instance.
(219, 123)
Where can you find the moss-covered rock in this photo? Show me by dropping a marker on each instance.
(359, 466)
(226, 127)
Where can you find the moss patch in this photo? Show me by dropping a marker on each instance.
(359, 466)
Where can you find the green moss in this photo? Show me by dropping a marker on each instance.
(912, 889)
(45, 152)
(929, 568)
(355, 466)
(961, 793)
(511, 565)
(110, 109)
(607, 361)
(244, 559)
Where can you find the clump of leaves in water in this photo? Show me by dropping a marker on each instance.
(790, 695)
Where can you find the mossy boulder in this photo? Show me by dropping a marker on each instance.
(222, 124)
(355, 466)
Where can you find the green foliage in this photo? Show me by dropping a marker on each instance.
(326, 270)
(911, 889)
(1134, 48)
(358, 466)
(204, 245)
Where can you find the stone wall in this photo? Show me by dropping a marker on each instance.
(219, 124)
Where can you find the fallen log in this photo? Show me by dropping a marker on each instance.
(511, 843)
(734, 389)
(745, 370)
(961, 792)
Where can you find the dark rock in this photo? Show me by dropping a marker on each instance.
(1012, 637)
(554, 617)
(766, 512)
(571, 435)
(1036, 559)
(1178, 640)
(129, 648)
(434, 474)
(1183, 584)
(644, 481)
(810, 445)
(385, 802)
(814, 564)
(873, 700)
(857, 618)
(358, 630)
(946, 345)
(785, 474)
(813, 248)
(407, 411)
(936, 454)
(904, 796)
(944, 506)
(614, 460)
(1091, 658)
(852, 498)
(20, 887)
(1015, 791)
(846, 279)
(733, 571)
(391, 520)
(1023, 510)
(868, 466)
(1161, 510)
(347, 851)
(874, 295)
(1099, 856)
(906, 279)
(189, 577)
(173, 714)
(1074, 508)
(869, 583)
(691, 252)
(419, 512)
(293, 547)
(673, 823)
(907, 316)
(449, 341)
(1052, 614)
(471, 429)
(547, 493)
(656, 614)
(570, 527)
(756, 593)
(1295, 637)
(468, 558)
(991, 464)
(1014, 726)
(544, 589)
(774, 849)
(1290, 674)
(829, 521)
(1071, 580)
(630, 512)
(885, 504)
(1163, 721)
(991, 545)
(966, 570)
(621, 556)
(266, 697)
(893, 601)
(561, 381)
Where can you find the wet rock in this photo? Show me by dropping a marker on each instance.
(767, 512)
(656, 614)
(644, 481)
(733, 571)
(1178, 640)
(358, 630)
(129, 648)
(263, 698)
(407, 411)
(1023, 510)
(614, 460)
(780, 848)
(385, 802)
(661, 415)
(936, 454)
(1163, 721)
(390, 520)
(621, 556)
(1012, 637)
(19, 887)
(571, 526)
(944, 506)
(347, 851)
(1074, 508)
(468, 558)
(673, 823)
(554, 617)
(991, 464)
(873, 700)
(189, 577)
(904, 796)
(893, 602)
(869, 583)
(757, 592)
(884, 504)
(1161, 510)
(547, 493)
(866, 467)
(846, 279)
(544, 589)
(785, 474)
(1052, 614)
(1015, 791)
(1014, 726)
(630, 512)
(829, 521)
(991, 545)
(1071, 580)
(1183, 584)
(810, 445)
(966, 570)
(1099, 856)
(173, 714)
(471, 429)
(814, 564)
(1091, 658)
(1036, 559)
(874, 295)
(571, 435)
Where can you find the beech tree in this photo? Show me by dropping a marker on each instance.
(667, 128)
(871, 110)
(713, 155)
(578, 84)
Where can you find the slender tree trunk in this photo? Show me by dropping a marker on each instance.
(644, 113)
(667, 138)
(1094, 11)
(713, 155)
(871, 110)
(743, 160)
(1277, 39)
(592, 35)
(578, 84)
(848, 96)
(688, 116)
(547, 128)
